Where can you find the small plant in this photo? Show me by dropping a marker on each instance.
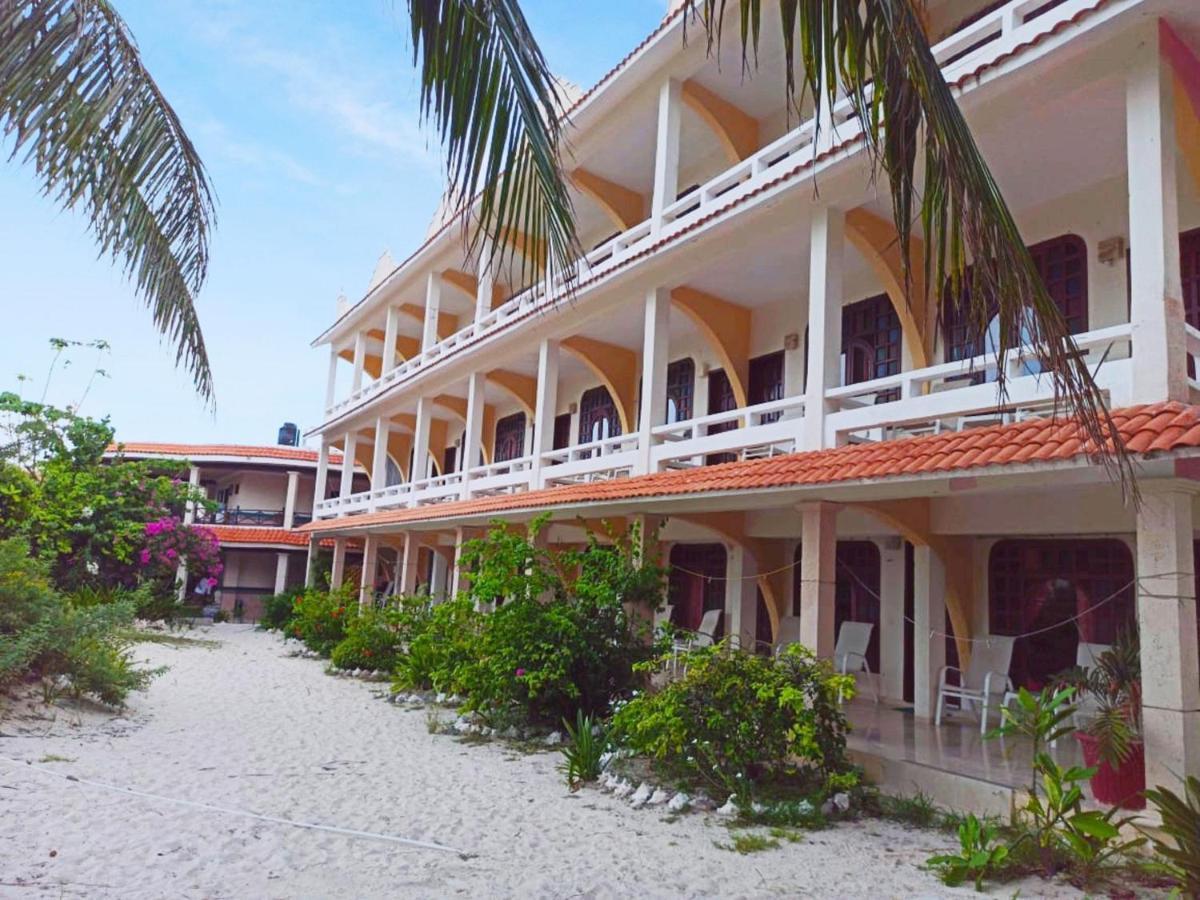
(372, 641)
(919, 810)
(221, 615)
(1179, 856)
(747, 843)
(1115, 684)
(979, 857)
(581, 756)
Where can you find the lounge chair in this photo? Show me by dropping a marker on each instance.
(704, 636)
(984, 682)
(850, 653)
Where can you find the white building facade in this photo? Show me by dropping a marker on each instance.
(739, 364)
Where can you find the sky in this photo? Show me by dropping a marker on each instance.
(305, 115)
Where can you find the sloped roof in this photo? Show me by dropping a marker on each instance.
(188, 451)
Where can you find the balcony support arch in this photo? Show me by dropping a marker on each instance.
(725, 327)
(617, 369)
(624, 207)
(736, 130)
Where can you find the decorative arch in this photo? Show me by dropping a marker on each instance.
(522, 387)
(725, 327)
(617, 369)
(469, 285)
(624, 207)
(736, 130)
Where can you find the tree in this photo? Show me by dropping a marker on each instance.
(83, 110)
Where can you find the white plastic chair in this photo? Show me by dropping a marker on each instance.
(850, 652)
(788, 633)
(985, 678)
(704, 636)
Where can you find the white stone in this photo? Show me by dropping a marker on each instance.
(730, 808)
(641, 795)
(440, 698)
(659, 797)
(841, 801)
(623, 789)
(553, 739)
(605, 759)
(679, 803)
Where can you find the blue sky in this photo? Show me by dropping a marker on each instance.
(305, 114)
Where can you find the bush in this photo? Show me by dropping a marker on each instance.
(372, 641)
(319, 619)
(44, 635)
(277, 610)
(736, 720)
(441, 641)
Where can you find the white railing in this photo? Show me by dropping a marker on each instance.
(951, 390)
(760, 430)
(984, 40)
(608, 458)
(509, 476)
(437, 488)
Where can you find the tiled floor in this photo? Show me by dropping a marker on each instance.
(890, 731)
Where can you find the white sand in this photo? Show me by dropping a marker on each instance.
(244, 726)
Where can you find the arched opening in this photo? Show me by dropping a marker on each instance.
(598, 418)
(871, 341)
(510, 438)
(681, 386)
(857, 584)
(1065, 590)
(696, 583)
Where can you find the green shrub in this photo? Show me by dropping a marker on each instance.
(372, 641)
(1178, 842)
(43, 635)
(441, 641)
(320, 619)
(277, 610)
(736, 720)
(981, 855)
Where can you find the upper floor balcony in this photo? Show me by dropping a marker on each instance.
(734, 150)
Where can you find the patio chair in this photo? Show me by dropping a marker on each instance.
(788, 634)
(704, 636)
(984, 682)
(850, 652)
(662, 618)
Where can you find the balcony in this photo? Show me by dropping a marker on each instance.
(262, 518)
(978, 44)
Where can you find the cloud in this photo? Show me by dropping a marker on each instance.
(217, 138)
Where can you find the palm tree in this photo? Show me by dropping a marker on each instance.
(83, 110)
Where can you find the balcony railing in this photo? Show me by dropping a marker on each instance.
(975, 45)
(263, 518)
(765, 429)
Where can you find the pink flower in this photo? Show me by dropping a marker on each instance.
(520, 673)
(144, 557)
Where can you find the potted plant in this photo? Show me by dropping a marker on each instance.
(1110, 694)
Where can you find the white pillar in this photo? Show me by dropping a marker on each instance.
(485, 281)
(390, 331)
(331, 381)
(655, 350)
(322, 480)
(310, 563)
(281, 572)
(891, 619)
(338, 572)
(824, 318)
(289, 503)
(473, 432)
(546, 406)
(818, 576)
(438, 579)
(420, 466)
(1166, 605)
(929, 617)
(383, 427)
(189, 510)
(1156, 291)
(433, 306)
(366, 582)
(409, 573)
(741, 596)
(360, 360)
(666, 151)
(456, 577)
(349, 449)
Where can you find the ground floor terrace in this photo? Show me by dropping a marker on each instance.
(1005, 542)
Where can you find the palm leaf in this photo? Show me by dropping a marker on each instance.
(488, 90)
(78, 102)
(879, 55)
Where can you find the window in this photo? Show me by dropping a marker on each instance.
(392, 473)
(766, 382)
(1042, 585)
(562, 431)
(720, 399)
(871, 342)
(857, 582)
(597, 416)
(696, 583)
(681, 385)
(1062, 264)
(510, 438)
(449, 460)
(1189, 267)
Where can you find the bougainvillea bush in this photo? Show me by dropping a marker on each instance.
(168, 540)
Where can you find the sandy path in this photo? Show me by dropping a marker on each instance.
(245, 726)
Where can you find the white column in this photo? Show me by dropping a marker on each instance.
(437, 582)
(349, 448)
(457, 580)
(1166, 604)
(433, 306)
(1156, 291)
(390, 331)
(322, 480)
(484, 282)
(420, 467)
(281, 572)
(891, 619)
(338, 572)
(741, 595)
(818, 576)
(289, 503)
(473, 432)
(666, 151)
(383, 427)
(331, 381)
(824, 319)
(929, 617)
(189, 510)
(366, 583)
(409, 573)
(655, 350)
(360, 360)
(310, 563)
(546, 406)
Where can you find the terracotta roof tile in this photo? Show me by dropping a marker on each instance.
(240, 534)
(1157, 427)
(185, 451)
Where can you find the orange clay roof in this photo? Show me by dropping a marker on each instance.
(1144, 429)
(240, 534)
(185, 451)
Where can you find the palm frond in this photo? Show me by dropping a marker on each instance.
(497, 107)
(876, 54)
(77, 101)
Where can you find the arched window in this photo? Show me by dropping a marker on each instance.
(696, 583)
(871, 336)
(510, 438)
(597, 416)
(681, 385)
(1067, 590)
(392, 473)
(1062, 264)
